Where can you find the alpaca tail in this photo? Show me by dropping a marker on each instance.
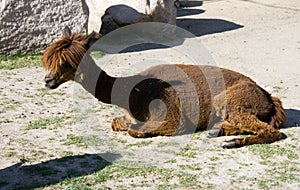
(278, 119)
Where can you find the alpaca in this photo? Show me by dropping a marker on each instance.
(167, 107)
(120, 15)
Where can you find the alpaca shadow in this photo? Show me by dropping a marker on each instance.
(52, 171)
(292, 118)
(201, 27)
(188, 12)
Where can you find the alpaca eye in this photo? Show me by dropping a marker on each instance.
(66, 65)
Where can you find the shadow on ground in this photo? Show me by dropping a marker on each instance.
(21, 176)
(292, 118)
(146, 36)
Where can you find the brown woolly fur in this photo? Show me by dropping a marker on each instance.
(171, 99)
(68, 49)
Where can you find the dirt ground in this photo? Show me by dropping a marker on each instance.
(61, 139)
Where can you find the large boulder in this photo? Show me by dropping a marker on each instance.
(31, 25)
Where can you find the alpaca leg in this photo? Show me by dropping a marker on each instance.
(151, 129)
(263, 134)
(122, 123)
(224, 128)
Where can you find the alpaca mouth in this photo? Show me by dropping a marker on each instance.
(51, 83)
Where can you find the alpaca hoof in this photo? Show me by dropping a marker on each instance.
(234, 143)
(136, 134)
(213, 133)
(230, 144)
(117, 126)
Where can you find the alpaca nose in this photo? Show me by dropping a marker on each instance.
(48, 79)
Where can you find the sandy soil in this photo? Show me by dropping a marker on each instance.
(39, 127)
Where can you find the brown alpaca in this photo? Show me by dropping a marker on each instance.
(166, 106)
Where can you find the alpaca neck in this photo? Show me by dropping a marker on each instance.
(95, 80)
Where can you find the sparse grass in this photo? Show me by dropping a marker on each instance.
(263, 183)
(67, 153)
(270, 150)
(80, 183)
(6, 121)
(93, 140)
(171, 161)
(187, 152)
(163, 144)
(10, 104)
(213, 158)
(79, 141)
(187, 179)
(21, 61)
(192, 167)
(10, 154)
(38, 153)
(141, 143)
(285, 171)
(277, 87)
(43, 123)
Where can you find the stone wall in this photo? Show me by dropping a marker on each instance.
(31, 25)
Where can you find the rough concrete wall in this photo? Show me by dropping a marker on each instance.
(31, 25)
(97, 9)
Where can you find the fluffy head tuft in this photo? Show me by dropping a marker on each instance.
(69, 49)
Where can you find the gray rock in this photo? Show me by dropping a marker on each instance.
(31, 25)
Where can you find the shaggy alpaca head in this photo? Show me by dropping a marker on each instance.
(62, 58)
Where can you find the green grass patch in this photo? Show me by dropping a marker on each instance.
(285, 171)
(187, 152)
(269, 150)
(187, 179)
(6, 121)
(213, 158)
(10, 154)
(141, 143)
(10, 104)
(80, 183)
(163, 144)
(21, 61)
(79, 141)
(67, 153)
(43, 123)
(277, 87)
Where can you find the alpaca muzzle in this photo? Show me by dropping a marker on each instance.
(48, 79)
(50, 82)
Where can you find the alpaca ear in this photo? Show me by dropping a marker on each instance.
(67, 31)
(92, 38)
